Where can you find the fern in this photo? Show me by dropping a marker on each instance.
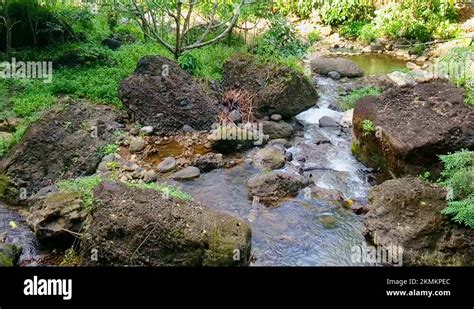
(458, 177)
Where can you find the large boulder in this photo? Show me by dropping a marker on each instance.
(270, 157)
(406, 212)
(345, 67)
(277, 129)
(130, 226)
(56, 218)
(160, 94)
(273, 186)
(65, 143)
(407, 128)
(278, 89)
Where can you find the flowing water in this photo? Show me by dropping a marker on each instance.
(301, 230)
(13, 229)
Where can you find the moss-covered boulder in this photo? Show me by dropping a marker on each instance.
(57, 218)
(132, 226)
(9, 254)
(278, 89)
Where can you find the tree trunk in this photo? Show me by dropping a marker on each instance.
(177, 50)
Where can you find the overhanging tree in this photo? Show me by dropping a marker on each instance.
(157, 17)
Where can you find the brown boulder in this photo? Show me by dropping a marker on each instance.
(413, 125)
(278, 89)
(406, 212)
(160, 94)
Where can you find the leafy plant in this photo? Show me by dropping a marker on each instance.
(368, 127)
(280, 40)
(109, 149)
(352, 29)
(349, 101)
(85, 186)
(339, 12)
(426, 176)
(458, 177)
(314, 36)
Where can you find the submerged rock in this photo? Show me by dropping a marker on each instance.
(270, 157)
(411, 126)
(187, 173)
(271, 187)
(209, 162)
(162, 95)
(326, 122)
(141, 227)
(406, 212)
(278, 89)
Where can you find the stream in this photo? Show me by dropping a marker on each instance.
(300, 231)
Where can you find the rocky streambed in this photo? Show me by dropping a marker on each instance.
(167, 192)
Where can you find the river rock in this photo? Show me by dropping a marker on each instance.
(137, 144)
(272, 186)
(65, 143)
(334, 75)
(150, 176)
(276, 117)
(9, 254)
(327, 194)
(407, 212)
(56, 218)
(111, 43)
(279, 141)
(401, 79)
(327, 121)
(278, 89)
(277, 129)
(345, 67)
(147, 130)
(269, 157)
(187, 173)
(235, 116)
(143, 228)
(414, 125)
(160, 94)
(209, 162)
(167, 165)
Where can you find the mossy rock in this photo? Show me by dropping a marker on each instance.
(9, 255)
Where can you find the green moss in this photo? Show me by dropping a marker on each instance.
(5, 261)
(4, 184)
(84, 186)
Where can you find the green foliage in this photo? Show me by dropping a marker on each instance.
(368, 34)
(71, 258)
(458, 66)
(163, 188)
(368, 127)
(300, 8)
(426, 176)
(340, 12)
(207, 62)
(349, 101)
(85, 186)
(352, 30)
(458, 177)
(314, 36)
(280, 40)
(109, 149)
(416, 20)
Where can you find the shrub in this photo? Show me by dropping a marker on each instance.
(351, 99)
(368, 34)
(368, 127)
(339, 12)
(458, 177)
(314, 36)
(352, 29)
(281, 39)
